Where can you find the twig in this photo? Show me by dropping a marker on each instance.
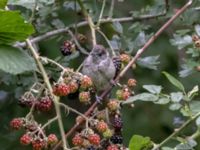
(90, 22)
(46, 81)
(138, 54)
(176, 131)
(111, 9)
(101, 13)
(85, 23)
(49, 122)
(82, 50)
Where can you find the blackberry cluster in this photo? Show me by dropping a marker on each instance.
(118, 64)
(67, 48)
(116, 139)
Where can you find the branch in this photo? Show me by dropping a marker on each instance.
(122, 73)
(48, 85)
(176, 131)
(85, 23)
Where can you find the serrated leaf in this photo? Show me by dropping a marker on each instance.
(138, 142)
(3, 4)
(180, 41)
(193, 92)
(150, 62)
(197, 29)
(30, 4)
(143, 97)
(15, 61)
(162, 101)
(174, 81)
(176, 96)
(155, 89)
(13, 27)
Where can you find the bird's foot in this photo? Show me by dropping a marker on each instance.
(98, 99)
(112, 82)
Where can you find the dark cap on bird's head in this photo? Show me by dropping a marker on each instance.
(98, 49)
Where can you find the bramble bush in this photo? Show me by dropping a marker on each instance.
(49, 85)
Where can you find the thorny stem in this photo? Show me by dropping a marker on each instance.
(55, 98)
(176, 131)
(138, 54)
(49, 122)
(90, 22)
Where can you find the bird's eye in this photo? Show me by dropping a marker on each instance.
(100, 54)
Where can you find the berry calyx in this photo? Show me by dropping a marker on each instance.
(77, 140)
(112, 147)
(86, 82)
(52, 139)
(113, 105)
(45, 104)
(84, 97)
(61, 90)
(101, 126)
(16, 123)
(94, 139)
(25, 139)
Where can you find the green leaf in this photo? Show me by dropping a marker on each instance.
(181, 42)
(174, 81)
(162, 101)
(13, 27)
(183, 146)
(195, 107)
(30, 4)
(3, 4)
(155, 89)
(167, 148)
(118, 27)
(198, 121)
(150, 62)
(143, 97)
(197, 29)
(138, 142)
(176, 96)
(15, 61)
(175, 106)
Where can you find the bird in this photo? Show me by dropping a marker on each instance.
(100, 67)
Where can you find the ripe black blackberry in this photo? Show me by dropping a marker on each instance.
(67, 48)
(117, 123)
(91, 148)
(104, 144)
(116, 139)
(118, 64)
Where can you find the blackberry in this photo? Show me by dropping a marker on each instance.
(116, 139)
(67, 48)
(91, 148)
(118, 123)
(104, 144)
(118, 64)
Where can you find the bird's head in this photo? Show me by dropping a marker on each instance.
(99, 52)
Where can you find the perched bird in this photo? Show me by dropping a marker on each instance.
(99, 66)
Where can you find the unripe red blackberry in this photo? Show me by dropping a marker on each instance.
(67, 48)
(84, 97)
(198, 68)
(113, 105)
(52, 139)
(86, 82)
(112, 147)
(73, 87)
(27, 101)
(16, 123)
(38, 144)
(94, 139)
(101, 126)
(77, 140)
(131, 83)
(125, 58)
(195, 38)
(45, 104)
(61, 90)
(101, 115)
(25, 139)
(197, 44)
(126, 94)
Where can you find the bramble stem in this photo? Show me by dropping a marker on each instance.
(48, 85)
